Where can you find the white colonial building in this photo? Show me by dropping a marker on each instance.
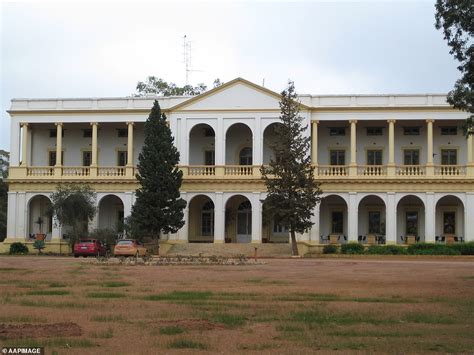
(394, 169)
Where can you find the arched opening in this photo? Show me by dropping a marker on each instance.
(40, 218)
(201, 220)
(372, 220)
(449, 219)
(239, 145)
(238, 220)
(111, 214)
(202, 145)
(272, 230)
(269, 137)
(333, 220)
(410, 220)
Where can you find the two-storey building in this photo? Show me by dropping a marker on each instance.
(393, 168)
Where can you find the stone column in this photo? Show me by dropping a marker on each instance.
(314, 232)
(94, 149)
(314, 142)
(59, 149)
(391, 219)
(183, 232)
(470, 154)
(353, 218)
(430, 218)
(468, 213)
(129, 167)
(391, 148)
(24, 145)
(256, 218)
(429, 148)
(219, 218)
(353, 164)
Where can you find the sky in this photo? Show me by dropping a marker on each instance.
(102, 49)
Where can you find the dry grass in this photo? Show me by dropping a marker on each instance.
(285, 306)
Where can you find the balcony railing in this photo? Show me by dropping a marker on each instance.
(245, 172)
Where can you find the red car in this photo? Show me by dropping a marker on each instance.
(89, 247)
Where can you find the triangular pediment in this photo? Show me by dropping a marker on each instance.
(238, 94)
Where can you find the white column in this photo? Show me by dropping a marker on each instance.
(24, 145)
(353, 218)
(430, 218)
(256, 218)
(429, 142)
(391, 142)
(219, 218)
(21, 216)
(94, 144)
(314, 142)
(220, 142)
(314, 232)
(59, 144)
(11, 215)
(468, 213)
(391, 219)
(257, 143)
(183, 232)
(130, 144)
(56, 230)
(184, 138)
(353, 164)
(127, 204)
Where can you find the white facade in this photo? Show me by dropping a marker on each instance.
(360, 146)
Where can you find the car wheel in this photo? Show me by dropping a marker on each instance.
(84, 256)
(76, 256)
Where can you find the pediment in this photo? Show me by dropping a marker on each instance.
(238, 94)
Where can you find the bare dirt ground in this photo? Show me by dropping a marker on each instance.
(360, 304)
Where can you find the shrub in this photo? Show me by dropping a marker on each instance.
(432, 249)
(18, 248)
(330, 249)
(352, 248)
(39, 245)
(464, 248)
(386, 250)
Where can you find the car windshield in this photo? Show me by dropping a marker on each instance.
(125, 242)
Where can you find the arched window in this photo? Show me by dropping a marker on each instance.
(245, 156)
(244, 206)
(207, 219)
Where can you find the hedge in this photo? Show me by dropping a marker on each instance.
(18, 248)
(330, 249)
(352, 248)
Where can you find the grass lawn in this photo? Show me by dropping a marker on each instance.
(405, 305)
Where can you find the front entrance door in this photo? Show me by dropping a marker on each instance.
(412, 223)
(244, 223)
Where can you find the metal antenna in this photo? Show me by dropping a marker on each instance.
(187, 57)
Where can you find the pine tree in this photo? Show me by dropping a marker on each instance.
(158, 207)
(292, 191)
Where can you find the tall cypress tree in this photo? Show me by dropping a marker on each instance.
(292, 190)
(158, 207)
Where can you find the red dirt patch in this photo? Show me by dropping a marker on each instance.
(67, 329)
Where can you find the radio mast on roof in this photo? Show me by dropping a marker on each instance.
(187, 57)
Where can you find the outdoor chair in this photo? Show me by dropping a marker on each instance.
(461, 239)
(402, 239)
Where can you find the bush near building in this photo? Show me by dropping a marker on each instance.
(18, 248)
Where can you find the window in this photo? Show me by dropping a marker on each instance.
(209, 157)
(279, 229)
(411, 157)
(245, 156)
(122, 133)
(53, 133)
(449, 131)
(337, 131)
(52, 157)
(374, 157)
(374, 222)
(374, 131)
(337, 225)
(449, 157)
(122, 158)
(87, 133)
(411, 222)
(338, 157)
(411, 131)
(207, 219)
(449, 222)
(86, 158)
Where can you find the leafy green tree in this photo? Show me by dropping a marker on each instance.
(293, 193)
(456, 18)
(157, 86)
(74, 205)
(4, 164)
(158, 207)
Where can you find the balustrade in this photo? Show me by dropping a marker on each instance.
(76, 171)
(372, 170)
(238, 170)
(333, 170)
(40, 171)
(410, 170)
(111, 171)
(450, 170)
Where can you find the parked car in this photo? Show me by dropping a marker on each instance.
(129, 247)
(89, 247)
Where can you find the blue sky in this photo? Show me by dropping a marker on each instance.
(338, 47)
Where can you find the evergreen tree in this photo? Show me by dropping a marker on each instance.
(292, 191)
(158, 207)
(456, 18)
